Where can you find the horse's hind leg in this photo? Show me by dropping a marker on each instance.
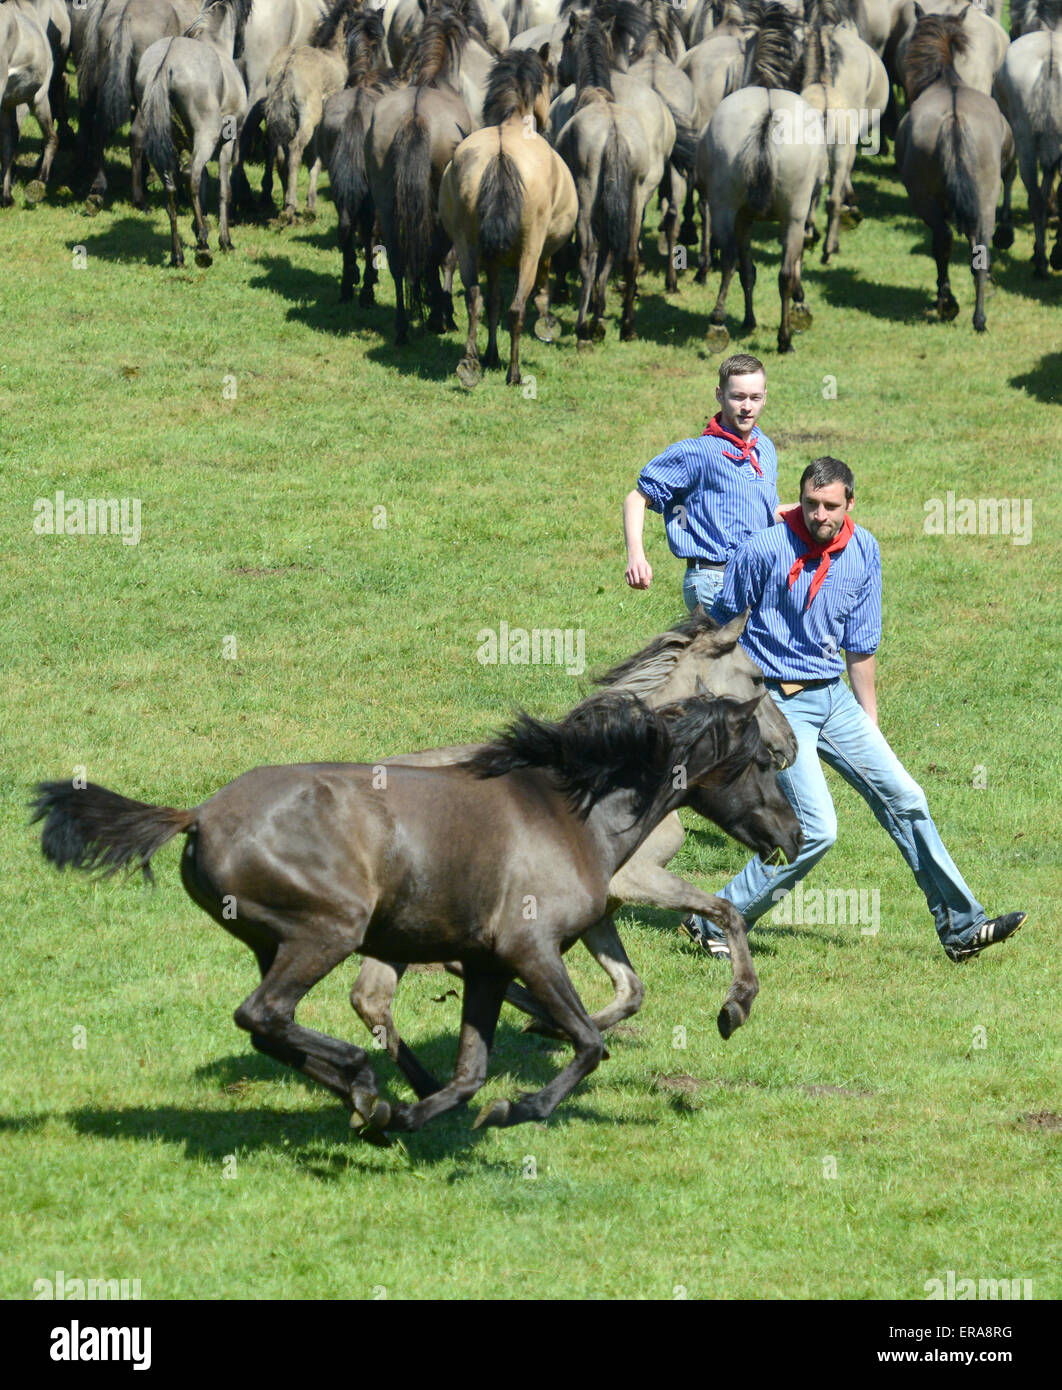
(747, 275)
(43, 112)
(371, 997)
(479, 1018)
(176, 252)
(525, 283)
(269, 1013)
(491, 357)
(947, 305)
(225, 158)
(789, 288)
(548, 980)
(8, 135)
(196, 190)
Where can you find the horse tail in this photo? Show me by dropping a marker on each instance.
(281, 113)
(610, 217)
(499, 207)
(346, 165)
(115, 94)
(684, 150)
(759, 172)
(414, 216)
(157, 116)
(956, 165)
(1045, 110)
(92, 828)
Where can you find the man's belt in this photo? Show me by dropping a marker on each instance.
(698, 564)
(794, 687)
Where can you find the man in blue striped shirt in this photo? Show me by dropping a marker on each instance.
(813, 588)
(713, 490)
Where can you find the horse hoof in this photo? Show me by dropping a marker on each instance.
(34, 191)
(494, 1115)
(949, 308)
(547, 328)
(584, 345)
(716, 338)
(469, 373)
(309, 215)
(597, 333)
(851, 217)
(1003, 238)
(92, 206)
(800, 317)
(730, 1018)
(689, 235)
(203, 258)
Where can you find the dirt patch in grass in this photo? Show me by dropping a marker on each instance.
(833, 1091)
(1041, 1120)
(685, 1085)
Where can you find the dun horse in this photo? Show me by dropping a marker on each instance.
(507, 199)
(326, 859)
(953, 149)
(25, 75)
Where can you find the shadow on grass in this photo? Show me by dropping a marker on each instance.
(845, 288)
(124, 239)
(1044, 381)
(1015, 275)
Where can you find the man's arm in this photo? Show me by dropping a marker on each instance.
(861, 672)
(639, 573)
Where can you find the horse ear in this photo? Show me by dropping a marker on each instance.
(726, 638)
(919, 13)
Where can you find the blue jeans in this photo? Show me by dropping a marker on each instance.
(830, 724)
(701, 586)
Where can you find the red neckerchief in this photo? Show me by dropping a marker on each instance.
(794, 519)
(746, 446)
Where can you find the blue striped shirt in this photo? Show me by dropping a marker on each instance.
(788, 642)
(711, 503)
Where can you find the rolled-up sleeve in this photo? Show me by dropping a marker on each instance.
(665, 479)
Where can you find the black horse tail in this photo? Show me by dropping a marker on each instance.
(115, 98)
(499, 207)
(414, 215)
(346, 165)
(684, 150)
(760, 171)
(92, 828)
(610, 218)
(157, 117)
(957, 165)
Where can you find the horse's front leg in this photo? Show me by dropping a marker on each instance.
(480, 1007)
(371, 997)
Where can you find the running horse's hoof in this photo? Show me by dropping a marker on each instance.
(203, 258)
(716, 338)
(34, 192)
(370, 1117)
(496, 1114)
(800, 317)
(469, 373)
(547, 328)
(949, 308)
(731, 1017)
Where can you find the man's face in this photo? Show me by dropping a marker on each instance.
(741, 400)
(824, 510)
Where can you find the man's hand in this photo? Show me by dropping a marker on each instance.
(639, 574)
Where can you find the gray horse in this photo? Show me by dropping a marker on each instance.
(26, 68)
(1029, 92)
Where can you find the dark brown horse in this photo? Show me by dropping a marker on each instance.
(501, 863)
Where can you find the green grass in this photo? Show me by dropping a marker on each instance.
(863, 1055)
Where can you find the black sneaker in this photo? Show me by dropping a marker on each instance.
(987, 934)
(714, 945)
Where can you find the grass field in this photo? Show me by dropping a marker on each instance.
(327, 525)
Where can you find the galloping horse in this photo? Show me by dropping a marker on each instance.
(308, 864)
(953, 150)
(507, 199)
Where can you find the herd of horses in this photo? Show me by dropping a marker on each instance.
(493, 858)
(480, 135)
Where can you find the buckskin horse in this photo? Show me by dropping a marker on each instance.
(501, 862)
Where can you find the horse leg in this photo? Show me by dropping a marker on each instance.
(315, 170)
(492, 359)
(479, 1018)
(676, 191)
(525, 283)
(724, 228)
(704, 258)
(225, 158)
(293, 163)
(371, 997)
(449, 266)
(789, 279)
(947, 307)
(468, 369)
(196, 184)
(366, 220)
(588, 254)
(1038, 213)
(546, 977)
(268, 1014)
(604, 269)
(136, 161)
(8, 136)
(604, 944)
(841, 161)
(688, 231)
(979, 269)
(547, 327)
(43, 112)
(176, 251)
(747, 275)
(1056, 250)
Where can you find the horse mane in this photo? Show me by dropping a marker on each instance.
(593, 54)
(625, 21)
(326, 30)
(771, 57)
(822, 53)
(366, 50)
(648, 669)
(938, 39)
(515, 81)
(824, 13)
(471, 12)
(437, 48)
(606, 742)
(1024, 14)
(664, 25)
(240, 8)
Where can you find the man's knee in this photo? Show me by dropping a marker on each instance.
(818, 838)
